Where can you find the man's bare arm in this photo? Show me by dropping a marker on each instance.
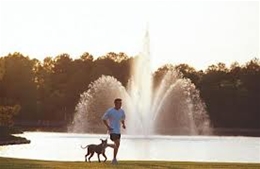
(123, 123)
(106, 124)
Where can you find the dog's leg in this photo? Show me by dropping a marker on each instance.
(90, 156)
(86, 156)
(98, 157)
(104, 156)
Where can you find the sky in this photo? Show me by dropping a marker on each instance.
(198, 33)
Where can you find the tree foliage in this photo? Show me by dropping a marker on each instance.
(7, 113)
(51, 89)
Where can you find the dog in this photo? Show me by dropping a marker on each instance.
(99, 149)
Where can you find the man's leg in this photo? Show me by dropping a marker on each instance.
(111, 145)
(112, 139)
(116, 147)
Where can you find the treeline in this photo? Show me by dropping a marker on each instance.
(50, 90)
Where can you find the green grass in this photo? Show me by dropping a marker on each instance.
(11, 163)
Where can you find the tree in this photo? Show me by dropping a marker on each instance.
(2, 68)
(58, 100)
(159, 74)
(86, 57)
(18, 84)
(116, 65)
(189, 72)
(7, 113)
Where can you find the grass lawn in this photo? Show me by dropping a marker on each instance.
(10, 163)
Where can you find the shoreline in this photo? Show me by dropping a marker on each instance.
(13, 140)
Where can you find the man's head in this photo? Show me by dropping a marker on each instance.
(118, 103)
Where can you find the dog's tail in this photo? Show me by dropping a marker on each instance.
(83, 147)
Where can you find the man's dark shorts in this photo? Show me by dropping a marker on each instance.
(114, 136)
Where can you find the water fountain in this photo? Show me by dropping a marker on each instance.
(173, 108)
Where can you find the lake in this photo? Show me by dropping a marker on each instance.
(66, 147)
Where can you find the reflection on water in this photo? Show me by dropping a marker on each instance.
(66, 147)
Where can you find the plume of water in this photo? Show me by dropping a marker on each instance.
(140, 90)
(94, 102)
(178, 108)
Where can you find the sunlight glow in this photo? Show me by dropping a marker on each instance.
(198, 33)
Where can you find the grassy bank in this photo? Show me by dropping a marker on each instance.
(9, 163)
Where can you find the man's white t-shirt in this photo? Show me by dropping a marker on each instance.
(114, 117)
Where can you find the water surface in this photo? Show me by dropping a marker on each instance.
(66, 147)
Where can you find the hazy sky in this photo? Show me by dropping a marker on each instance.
(199, 33)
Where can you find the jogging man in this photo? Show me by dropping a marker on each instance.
(113, 118)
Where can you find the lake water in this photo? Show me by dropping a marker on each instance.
(66, 147)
